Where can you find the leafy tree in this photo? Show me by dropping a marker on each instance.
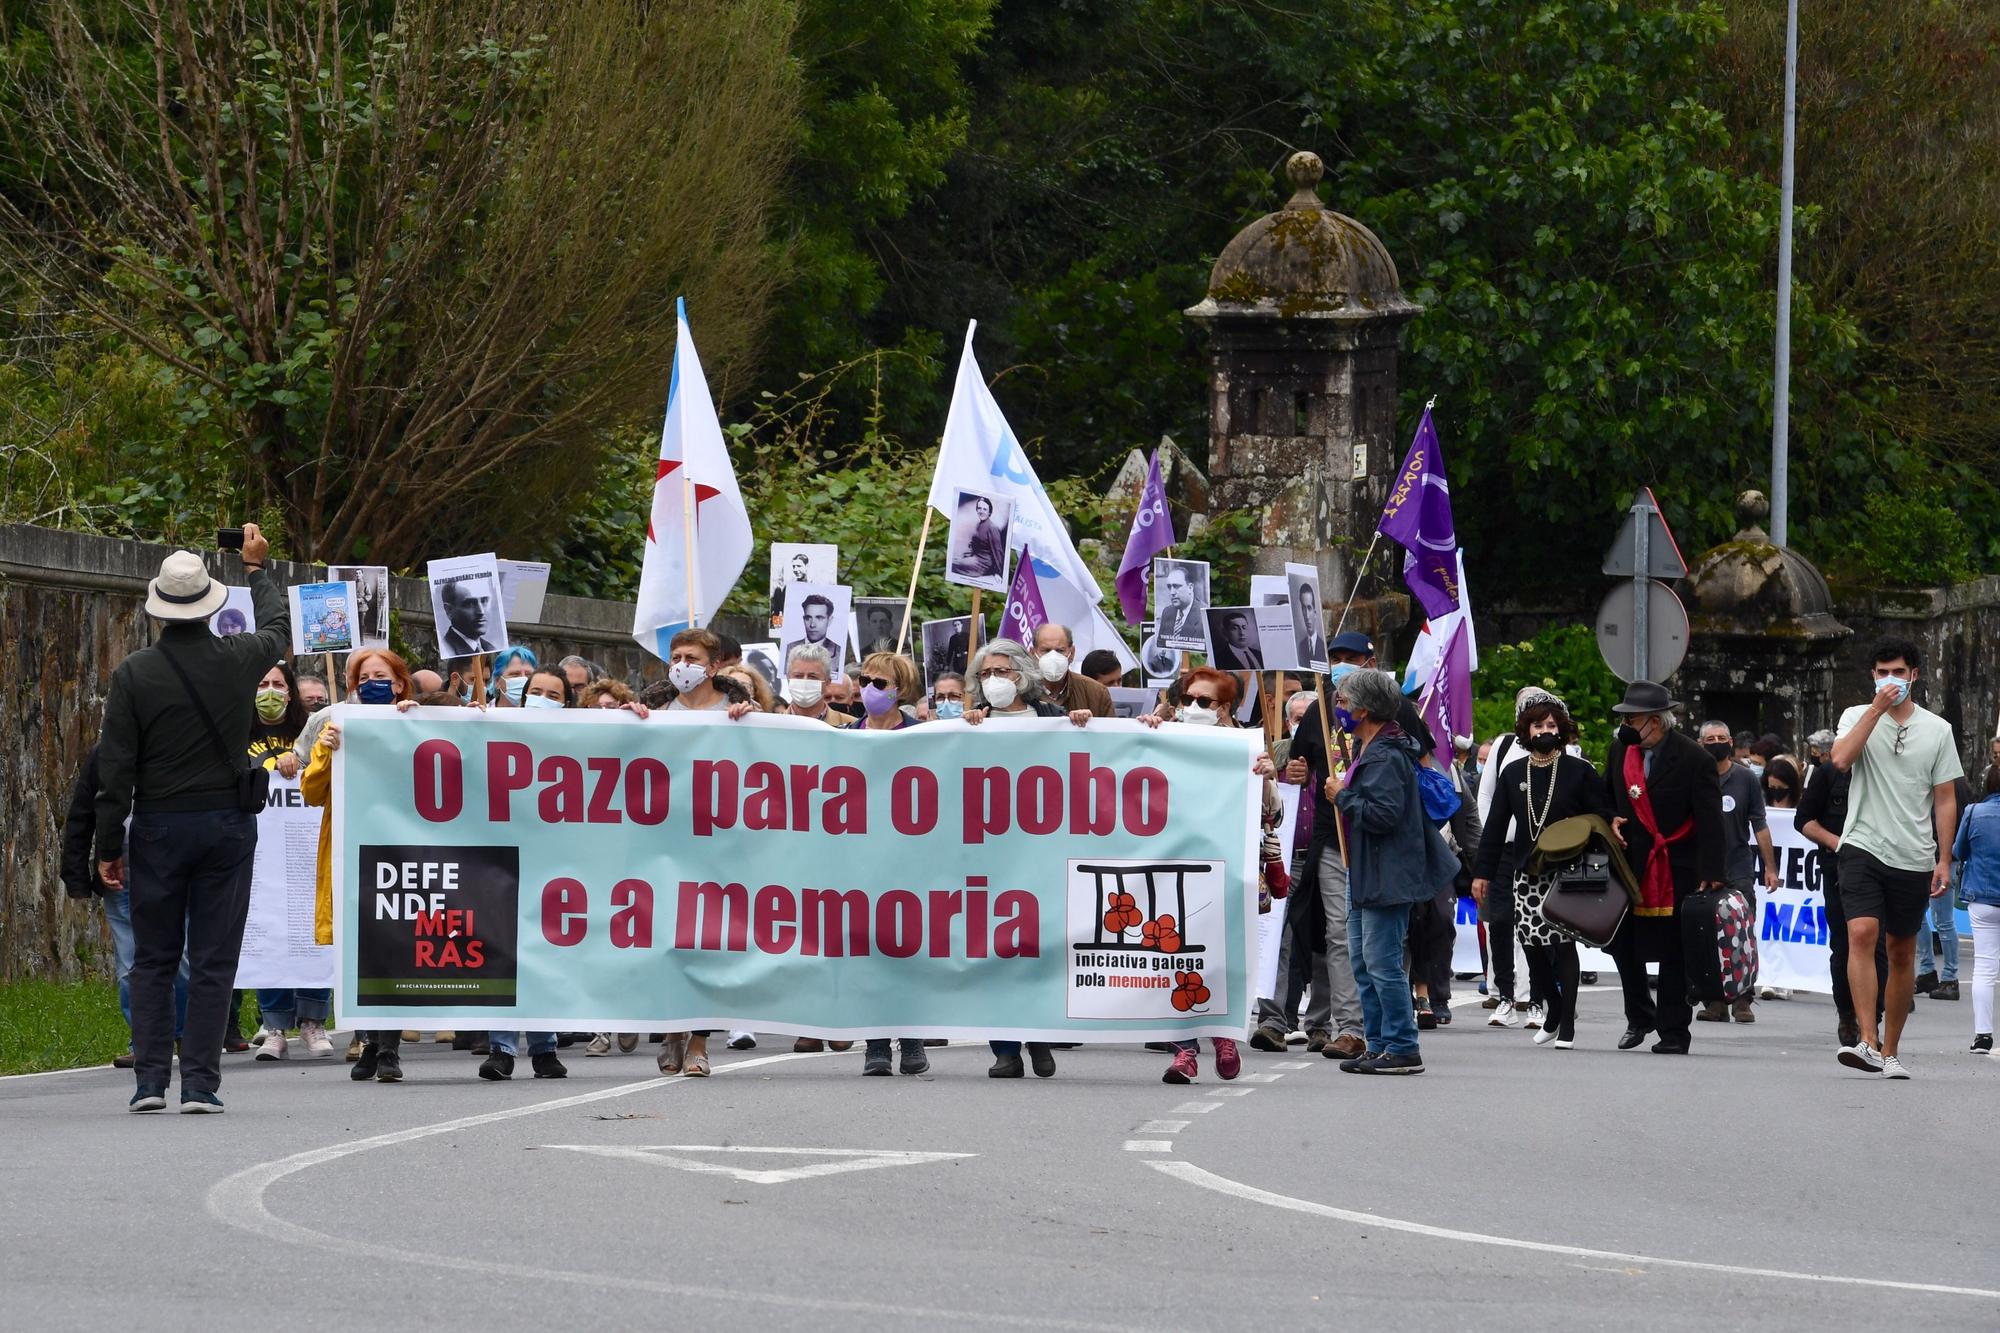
(415, 258)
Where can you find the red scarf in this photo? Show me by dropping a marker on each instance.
(1656, 885)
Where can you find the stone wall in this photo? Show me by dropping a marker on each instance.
(70, 610)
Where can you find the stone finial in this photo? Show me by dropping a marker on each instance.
(1304, 170)
(1752, 508)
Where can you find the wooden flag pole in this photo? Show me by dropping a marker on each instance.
(1326, 737)
(1264, 705)
(916, 568)
(972, 640)
(332, 681)
(687, 536)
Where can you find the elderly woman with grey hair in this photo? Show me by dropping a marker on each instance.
(1007, 685)
(1395, 860)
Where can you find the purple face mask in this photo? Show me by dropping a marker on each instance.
(877, 700)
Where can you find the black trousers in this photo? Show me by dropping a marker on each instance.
(1498, 914)
(1836, 943)
(1657, 939)
(189, 877)
(1556, 973)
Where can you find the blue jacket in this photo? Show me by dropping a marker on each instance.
(1394, 855)
(1977, 849)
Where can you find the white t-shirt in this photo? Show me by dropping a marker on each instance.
(1889, 803)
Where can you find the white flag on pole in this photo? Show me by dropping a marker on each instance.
(980, 454)
(695, 477)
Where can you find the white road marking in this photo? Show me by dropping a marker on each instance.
(1258, 1078)
(847, 1159)
(1194, 1175)
(1149, 1145)
(1293, 1064)
(1161, 1126)
(1232, 1092)
(238, 1200)
(1195, 1108)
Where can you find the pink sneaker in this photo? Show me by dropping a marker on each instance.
(1184, 1069)
(1228, 1063)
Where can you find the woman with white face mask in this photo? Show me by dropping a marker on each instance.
(511, 669)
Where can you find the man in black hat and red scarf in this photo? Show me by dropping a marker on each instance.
(1668, 804)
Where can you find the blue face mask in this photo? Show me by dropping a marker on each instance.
(1901, 684)
(540, 701)
(1342, 718)
(515, 686)
(949, 709)
(376, 692)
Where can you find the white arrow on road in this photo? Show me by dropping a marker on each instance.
(843, 1159)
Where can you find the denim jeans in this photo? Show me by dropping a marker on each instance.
(283, 1007)
(1928, 959)
(1375, 939)
(509, 1043)
(188, 878)
(118, 915)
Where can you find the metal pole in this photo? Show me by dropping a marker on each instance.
(1782, 388)
(1642, 540)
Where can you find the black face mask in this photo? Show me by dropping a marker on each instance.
(1629, 734)
(1777, 793)
(1545, 742)
(1719, 750)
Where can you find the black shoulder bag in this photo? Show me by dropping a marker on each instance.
(253, 783)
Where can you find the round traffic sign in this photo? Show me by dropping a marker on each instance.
(1666, 632)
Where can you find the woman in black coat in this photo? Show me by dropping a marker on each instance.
(1551, 786)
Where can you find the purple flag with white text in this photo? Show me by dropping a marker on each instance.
(1152, 532)
(1025, 613)
(1418, 516)
(1447, 706)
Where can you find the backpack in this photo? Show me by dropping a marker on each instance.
(1441, 799)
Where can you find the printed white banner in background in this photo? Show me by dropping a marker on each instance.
(278, 948)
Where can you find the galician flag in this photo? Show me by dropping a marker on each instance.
(690, 567)
(1025, 613)
(1418, 515)
(980, 454)
(1447, 704)
(1152, 533)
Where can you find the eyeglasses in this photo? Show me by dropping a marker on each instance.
(878, 682)
(994, 673)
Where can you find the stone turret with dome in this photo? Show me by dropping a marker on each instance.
(1304, 314)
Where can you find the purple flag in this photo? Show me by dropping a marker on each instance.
(1152, 532)
(1418, 515)
(1025, 613)
(1447, 708)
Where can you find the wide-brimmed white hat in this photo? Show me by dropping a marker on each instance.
(184, 591)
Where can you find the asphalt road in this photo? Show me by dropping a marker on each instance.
(1512, 1186)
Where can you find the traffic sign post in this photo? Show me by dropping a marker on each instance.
(1642, 627)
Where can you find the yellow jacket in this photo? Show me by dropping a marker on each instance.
(316, 785)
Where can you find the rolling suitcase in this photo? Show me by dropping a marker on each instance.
(1719, 939)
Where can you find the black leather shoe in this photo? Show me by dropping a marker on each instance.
(1006, 1066)
(1041, 1060)
(1667, 1047)
(876, 1063)
(1632, 1037)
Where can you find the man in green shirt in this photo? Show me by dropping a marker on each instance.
(1895, 852)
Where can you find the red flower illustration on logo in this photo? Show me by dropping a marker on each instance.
(1162, 933)
(1121, 913)
(1188, 991)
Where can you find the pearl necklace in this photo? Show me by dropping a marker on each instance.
(1537, 822)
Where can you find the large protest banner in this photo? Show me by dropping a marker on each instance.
(588, 871)
(1792, 948)
(278, 947)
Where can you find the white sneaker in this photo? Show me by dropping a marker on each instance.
(273, 1047)
(1767, 992)
(1893, 1068)
(1296, 1038)
(599, 1045)
(742, 1041)
(1536, 1014)
(261, 1033)
(1506, 1016)
(313, 1033)
(1544, 1036)
(1562, 1045)
(1861, 1056)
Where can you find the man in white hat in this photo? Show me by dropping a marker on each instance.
(175, 742)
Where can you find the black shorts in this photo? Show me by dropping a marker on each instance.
(1896, 898)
